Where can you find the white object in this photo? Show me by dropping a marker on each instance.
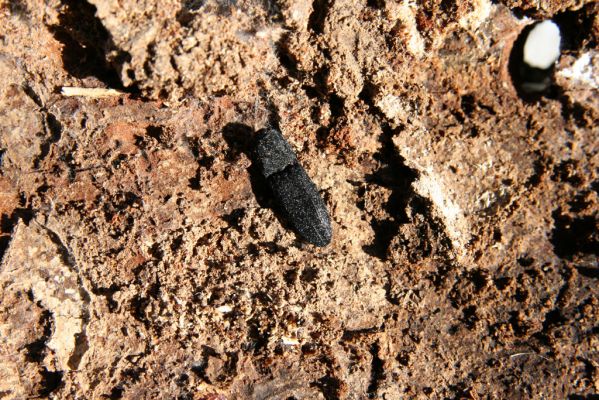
(582, 71)
(289, 341)
(542, 46)
(89, 92)
(224, 309)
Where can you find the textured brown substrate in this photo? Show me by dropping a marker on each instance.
(141, 254)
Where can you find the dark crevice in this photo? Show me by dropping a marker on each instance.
(396, 176)
(469, 317)
(575, 112)
(8, 222)
(337, 108)
(65, 253)
(589, 272)
(557, 315)
(525, 261)
(376, 4)
(350, 335)
(287, 59)
(522, 12)
(36, 350)
(320, 89)
(4, 242)
(320, 10)
(553, 318)
(377, 371)
(572, 236)
(177, 243)
(502, 282)
(116, 393)
(199, 367)
(384, 231)
(18, 9)
(431, 239)
(258, 336)
(467, 287)
(367, 95)
(84, 39)
(234, 218)
(195, 181)
(150, 59)
(86, 43)
(581, 16)
(567, 171)
(309, 274)
(329, 386)
(51, 380)
(519, 326)
(53, 130)
(577, 34)
(479, 279)
(273, 10)
(581, 202)
(140, 301)
(541, 165)
(290, 276)
(32, 95)
(81, 347)
(157, 132)
(577, 27)
(468, 105)
(188, 11)
(337, 105)
(108, 293)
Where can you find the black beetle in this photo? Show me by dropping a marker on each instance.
(294, 192)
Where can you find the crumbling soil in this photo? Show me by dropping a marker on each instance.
(143, 258)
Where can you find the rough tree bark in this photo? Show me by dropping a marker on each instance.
(142, 259)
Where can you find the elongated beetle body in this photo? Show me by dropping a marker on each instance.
(294, 192)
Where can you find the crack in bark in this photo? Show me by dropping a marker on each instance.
(320, 11)
(377, 371)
